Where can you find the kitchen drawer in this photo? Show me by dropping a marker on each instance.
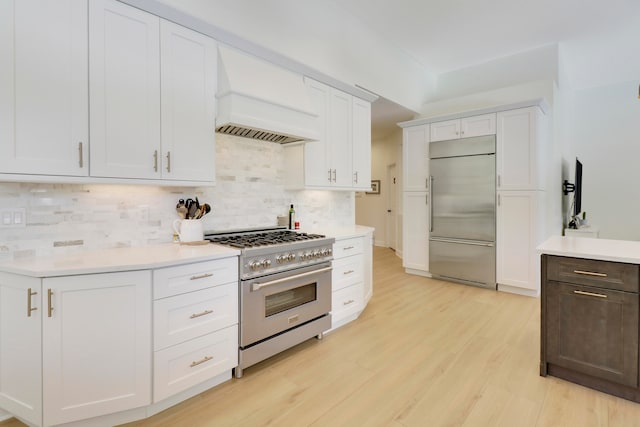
(185, 365)
(194, 314)
(192, 277)
(347, 271)
(346, 301)
(600, 274)
(347, 247)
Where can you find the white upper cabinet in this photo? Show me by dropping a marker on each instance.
(415, 149)
(361, 144)
(467, 127)
(188, 87)
(152, 96)
(125, 91)
(43, 87)
(518, 150)
(341, 157)
(340, 139)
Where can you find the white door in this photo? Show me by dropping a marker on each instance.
(20, 347)
(124, 67)
(188, 82)
(44, 87)
(96, 345)
(341, 139)
(516, 215)
(361, 144)
(392, 207)
(415, 253)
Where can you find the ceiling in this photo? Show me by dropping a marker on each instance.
(446, 35)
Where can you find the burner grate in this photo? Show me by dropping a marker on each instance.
(264, 239)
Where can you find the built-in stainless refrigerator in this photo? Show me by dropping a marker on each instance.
(462, 211)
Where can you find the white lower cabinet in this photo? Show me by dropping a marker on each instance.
(95, 335)
(195, 324)
(517, 234)
(350, 271)
(79, 347)
(415, 251)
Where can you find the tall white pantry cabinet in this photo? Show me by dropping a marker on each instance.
(521, 149)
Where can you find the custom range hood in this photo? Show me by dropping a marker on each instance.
(260, 100)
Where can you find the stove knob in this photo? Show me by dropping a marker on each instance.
(325, 252)
(306, 255)
(329, 251)
(254, 265)
(266, 263)
(291, 257)
(315, 254)
(281, 258)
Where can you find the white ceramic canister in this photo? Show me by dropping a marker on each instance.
(189, 230)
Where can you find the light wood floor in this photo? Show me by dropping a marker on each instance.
(424, 353)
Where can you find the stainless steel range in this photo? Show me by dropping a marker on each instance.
(285, 289)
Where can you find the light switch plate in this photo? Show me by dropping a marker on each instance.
(13, 218)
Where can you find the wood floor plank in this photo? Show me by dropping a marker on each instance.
(425, 352)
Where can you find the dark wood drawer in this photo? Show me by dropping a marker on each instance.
(601, 274)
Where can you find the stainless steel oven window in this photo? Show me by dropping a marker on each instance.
(286, 300)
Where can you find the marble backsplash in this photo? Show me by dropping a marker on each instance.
(62, 218)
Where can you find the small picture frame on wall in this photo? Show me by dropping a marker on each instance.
(375, 187)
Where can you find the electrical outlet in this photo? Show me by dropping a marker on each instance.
(13, 217)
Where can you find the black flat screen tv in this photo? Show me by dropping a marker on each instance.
(577, 196)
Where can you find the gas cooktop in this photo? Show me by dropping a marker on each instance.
(274, 250)
(261, 238)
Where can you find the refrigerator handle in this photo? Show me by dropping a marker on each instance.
(430, 203)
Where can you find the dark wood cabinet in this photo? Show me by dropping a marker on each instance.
(590, 323)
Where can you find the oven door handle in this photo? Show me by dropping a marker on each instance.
(258, 286)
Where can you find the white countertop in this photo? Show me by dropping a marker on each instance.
(116, 259)
(340, 233)
(590, 248)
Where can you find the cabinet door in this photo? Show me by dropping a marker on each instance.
(188, 88)
(415, 150)
(415, 253)
(593, 331)
(317, 171)
(340, 140)
(442, 131)
(516, 260)
(361, 144)
(516, 164)
(124, 68)
(96, 345)
(44, 87)
(20, 347)
(484, 124)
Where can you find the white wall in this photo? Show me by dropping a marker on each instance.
(371, 209)
(540, 64)
(320, 35)
(249, 193)
(606, 140)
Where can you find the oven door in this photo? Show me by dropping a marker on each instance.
(272, 304)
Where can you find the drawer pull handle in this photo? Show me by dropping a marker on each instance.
(348, 272)
(204, 313)
(50, 302)
(348, 302)
(590, 273)
(201, 276)
(590, 294)
(346, 248)
(201, 361)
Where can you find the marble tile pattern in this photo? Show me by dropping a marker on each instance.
(63, 218)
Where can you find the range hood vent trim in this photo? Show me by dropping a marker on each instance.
(260, 100)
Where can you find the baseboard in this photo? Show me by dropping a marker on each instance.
(520, 291)
(417, 272)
